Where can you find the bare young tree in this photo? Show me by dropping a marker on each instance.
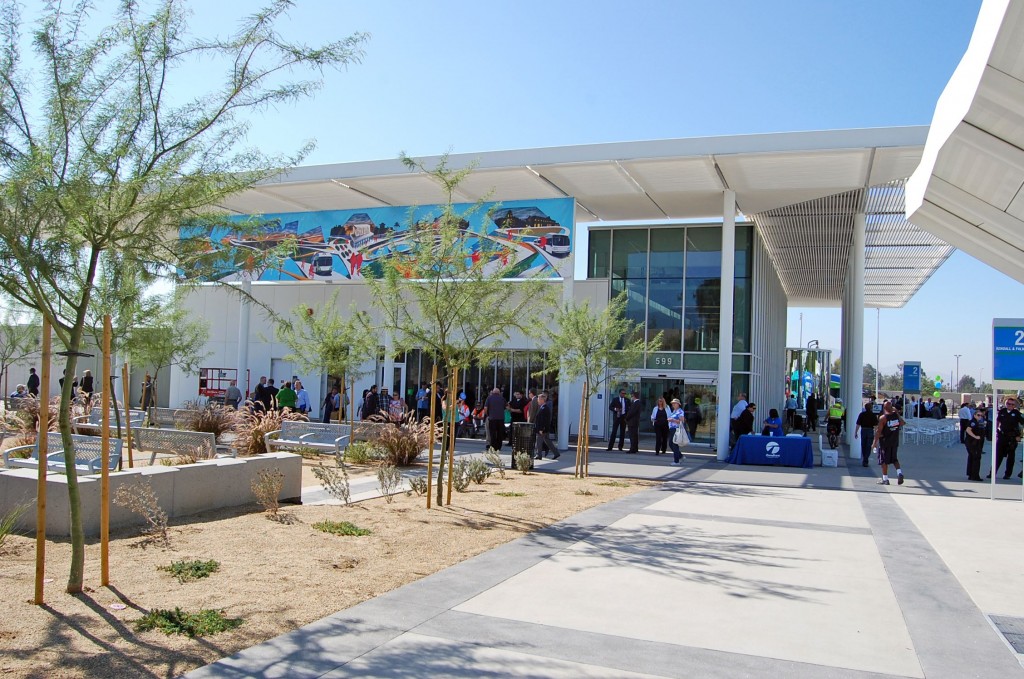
(108, 146)
(437, 297)
(19, 338)
(598, 346)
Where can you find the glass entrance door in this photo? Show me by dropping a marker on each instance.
(701, 401)
(396, 385)
(653, 388)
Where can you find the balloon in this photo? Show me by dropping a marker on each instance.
(936, 394)
(938, 383)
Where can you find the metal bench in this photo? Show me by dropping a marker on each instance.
(91, 423)
(321, 436)
(88, 454)
(200, 444)
(162, 417)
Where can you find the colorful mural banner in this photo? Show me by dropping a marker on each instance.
(528, 238)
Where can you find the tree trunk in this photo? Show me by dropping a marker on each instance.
(452, 394)
(433, 430)
(441, 458)
(76, 575)
(586, 437)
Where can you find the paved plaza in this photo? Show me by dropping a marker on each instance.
(722, 571)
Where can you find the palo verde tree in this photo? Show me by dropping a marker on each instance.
(19, 338)
(108, 144)
(599, 347)
(438, 297)
(323, 339)
(171, 337)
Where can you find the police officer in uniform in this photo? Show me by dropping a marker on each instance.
(974, 439)
(1009, 425)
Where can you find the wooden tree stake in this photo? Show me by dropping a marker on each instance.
(105, 470)
(44, 426)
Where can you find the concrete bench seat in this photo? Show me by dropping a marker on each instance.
(199, 444)
(88, 454)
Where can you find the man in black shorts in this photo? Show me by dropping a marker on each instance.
(887, 436)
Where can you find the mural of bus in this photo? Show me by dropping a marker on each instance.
(557, 245)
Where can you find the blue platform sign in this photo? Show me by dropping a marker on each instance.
(1008, 353)
(911, 377)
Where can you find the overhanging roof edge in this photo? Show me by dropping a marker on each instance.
(776, 142)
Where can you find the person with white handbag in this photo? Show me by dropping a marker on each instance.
(677, 430)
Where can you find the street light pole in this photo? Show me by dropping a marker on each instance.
(957, 383)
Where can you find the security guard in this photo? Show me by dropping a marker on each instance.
(1011, 424)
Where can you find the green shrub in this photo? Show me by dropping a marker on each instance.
(493, 458)
(460, 476)
(584, 491)
(186, 571)
(267, 488)
(211, 418)
(401, 444)
(253, 426)
(341, 528)
(335, 479)
(363, 452)
(139, 497)
(523, 462)
(204, 623)
(418, 484)
(616, 484)
(390, 480)
(477, 470)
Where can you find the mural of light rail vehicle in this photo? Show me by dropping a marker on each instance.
(519, 237)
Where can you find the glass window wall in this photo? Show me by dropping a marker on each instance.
(599, 254)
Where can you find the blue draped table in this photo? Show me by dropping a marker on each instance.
(786, 451)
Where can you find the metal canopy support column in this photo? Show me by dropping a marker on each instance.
(568, 390)
(244, 315)
(844, 351)
(725, 324)
(852, 385)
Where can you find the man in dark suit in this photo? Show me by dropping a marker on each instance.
(618, 407)
(633, 422)
(543, 446)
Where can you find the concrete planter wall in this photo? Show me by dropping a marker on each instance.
(184, 490)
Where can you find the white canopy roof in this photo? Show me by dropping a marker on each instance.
(969, 188)
(802, 189)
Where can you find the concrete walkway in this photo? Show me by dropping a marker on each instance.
(720, 572)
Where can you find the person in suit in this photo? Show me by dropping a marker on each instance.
(632, 419)
(618, 408)
(543, 445)
(812, 413)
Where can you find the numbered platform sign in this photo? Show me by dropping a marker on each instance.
(912, 377)
(1008, 353)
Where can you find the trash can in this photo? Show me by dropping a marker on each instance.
(798, 421)
(524, 440)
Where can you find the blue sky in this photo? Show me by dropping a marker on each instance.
(481, 76)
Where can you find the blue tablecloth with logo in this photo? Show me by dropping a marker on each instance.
(786, 451)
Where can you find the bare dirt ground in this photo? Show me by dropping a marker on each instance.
(274, 575)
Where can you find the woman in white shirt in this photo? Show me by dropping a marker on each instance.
(659, 418)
